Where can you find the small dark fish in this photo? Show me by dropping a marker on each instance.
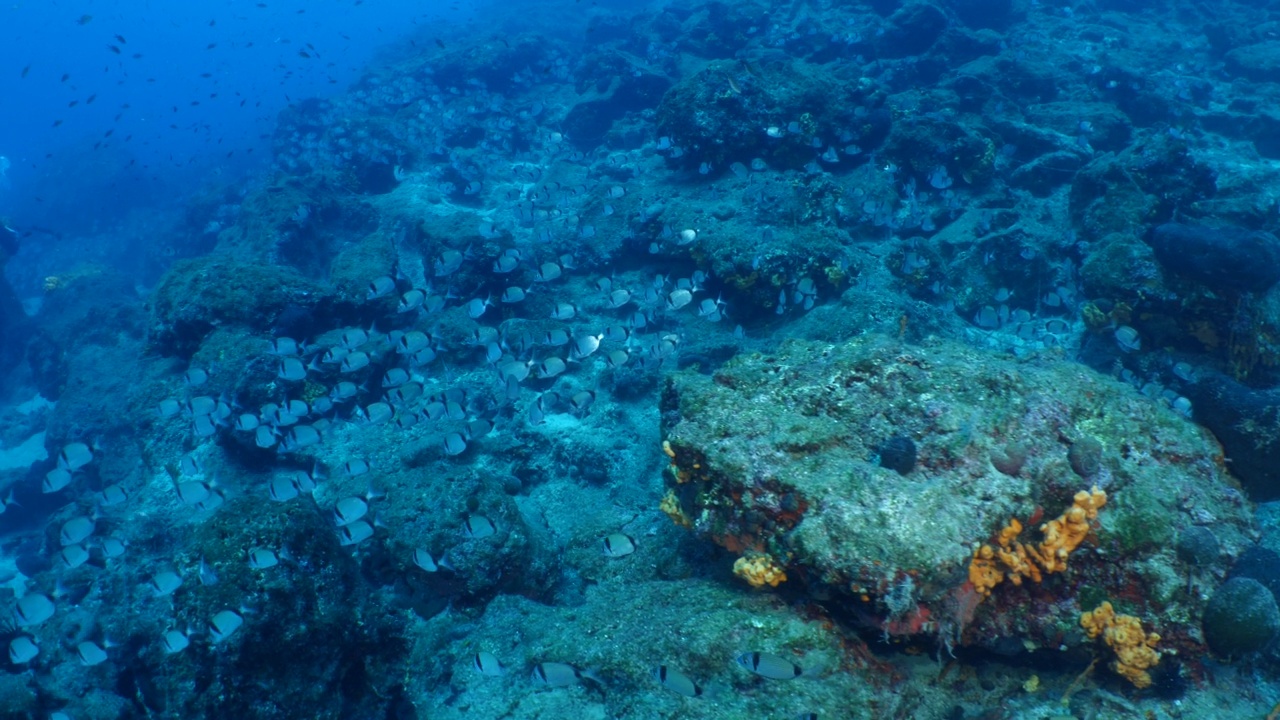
(114, 49)
(26, 71)
(84, 20)
(304, 54)
(120, 39)
(441, 44)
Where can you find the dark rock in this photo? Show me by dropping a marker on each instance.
(14, 327)
(196, 296)
(712, 122)
(1047, 172)
(912, 30)
(1120, 265)
(1260, 62)
(1228, 259)
(1242, 419)
(1104, 126)
(1085, 456)
(1198, 546)
(1151, 179)
(1259, 563)
(1241, 618)
(625, 91)
(898, 453)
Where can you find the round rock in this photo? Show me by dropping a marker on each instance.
(1242, 618)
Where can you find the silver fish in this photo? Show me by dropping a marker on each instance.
(299, 437)
(90, 653)
(412, 342)
(476, 307)
(584, 346)
(23, 649)
(477, 527)
(261, 558)
(378, 412)
(344, 390)
(199, 406)
(32, 610)
(174, 641)
(394, 377)
(554, 674)
(770, 666)
(168, 408)
(354, 361)
(113, 547)
(109, 496)
(349, 510)
(380, 287)
(678, 298)
(353, 338)
(291, 369)
(547, 272)
(618, 545)
(55, 480)
(454, 444)
(355, 533)
(224, 625)
(423, 559)
(164, 582)
(75, 456)
(207, 575)
(676, 681)
(411, 300)
(76, 530)
(618, 298)
(264, 437)
(73, 556)
(486, 663)
(282, 489)
(287, 347)
(550, 368)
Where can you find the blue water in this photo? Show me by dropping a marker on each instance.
(355, 359)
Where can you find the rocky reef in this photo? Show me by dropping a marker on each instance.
(784, 458)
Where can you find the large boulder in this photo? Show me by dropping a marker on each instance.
(1242, 618)
(791, 460)
(1224, 259)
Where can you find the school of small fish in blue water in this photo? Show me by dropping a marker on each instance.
(627, 359)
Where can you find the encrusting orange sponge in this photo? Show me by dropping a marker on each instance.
(1135, 650)
(759, 570)
(1010, 558)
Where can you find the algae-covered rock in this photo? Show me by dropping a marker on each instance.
(1225, 259)
(776, 455)
(1241, 618)
(197, 295)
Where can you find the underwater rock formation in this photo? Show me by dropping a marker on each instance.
(774, 454)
